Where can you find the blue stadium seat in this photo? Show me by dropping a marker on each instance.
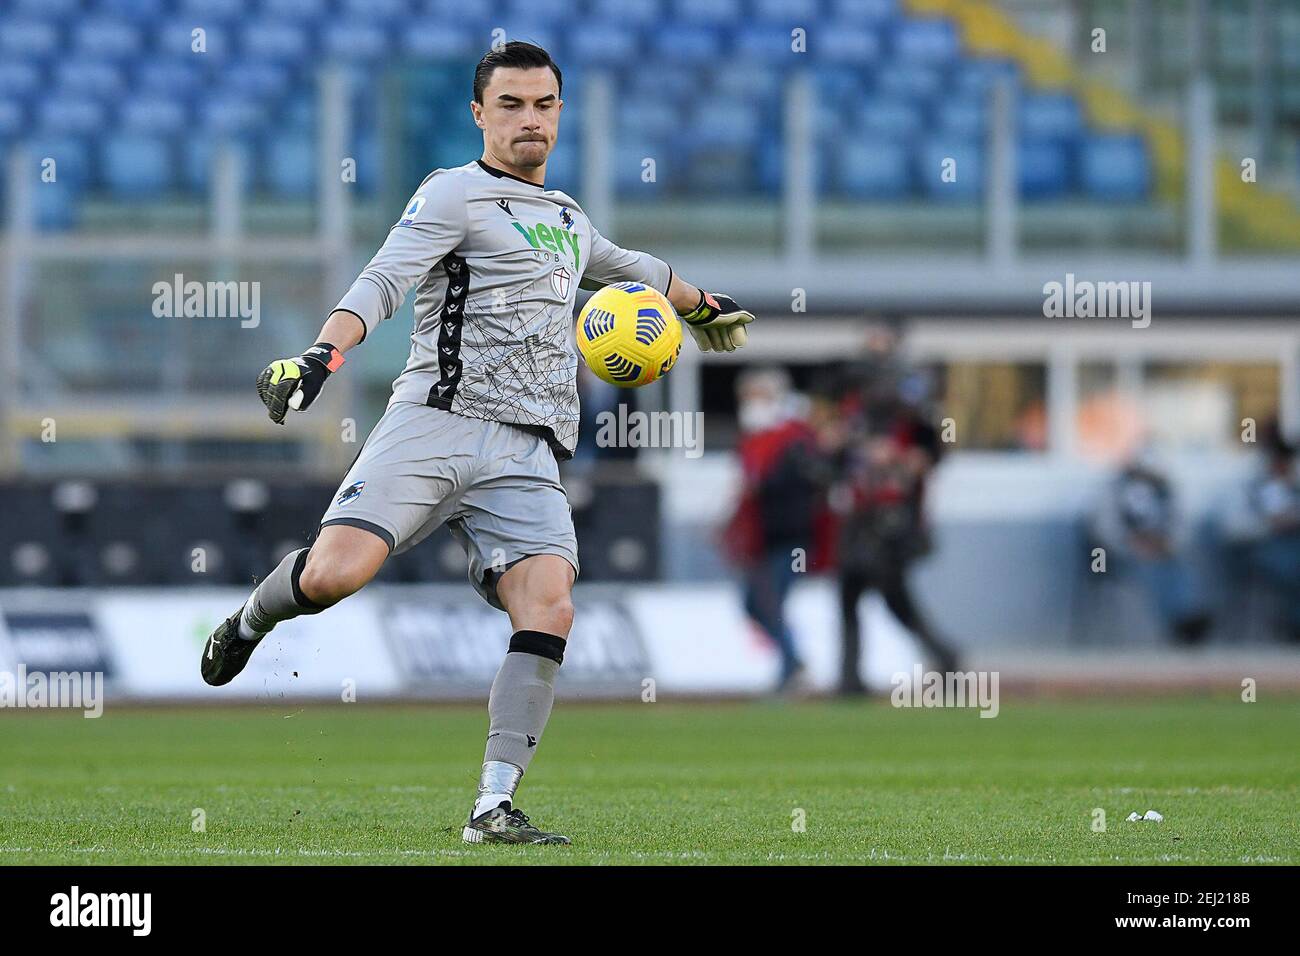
(1043, 168)
(645, 12)
(230, 113)
(142, 11)
(25, 38)
(865, 11)
(110, 37)
(646, 117)
(389, 11)
(198, 156)
(916, 82)
(962, 116)
(289, 165)
(19, 79)
(603, 43)
(889, 117)
(766, 43)
(254, 79)
(430, 39)
(355, 41)
(13, 119)
(47, 8)
(836, 84)
(976, 76)
(789, 13)
(844, 42)
(176, 78)
(718, 12)
(1115, 168)
(870, 169)
(1050, 115)
(73, 114)
(770, 175)
(278, 41)
(725, 122)
(682, 43)
(153, 113)
(92, 78)
(748, 80)
(928, 41)
(213, 11)
(70, 154)
(968, 154)
(299, 11)
(554, 12)
(722, 171)
(455, 14)
(563, 168)
(136, 166)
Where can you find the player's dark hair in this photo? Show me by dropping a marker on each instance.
(517, 54)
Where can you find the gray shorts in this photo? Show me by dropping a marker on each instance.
(497, 487)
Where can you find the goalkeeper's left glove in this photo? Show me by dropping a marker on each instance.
(295, 383)
(718, 323)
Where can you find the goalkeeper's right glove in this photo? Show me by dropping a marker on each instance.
(295, 383)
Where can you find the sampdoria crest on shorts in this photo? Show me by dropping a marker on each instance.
(350, 493)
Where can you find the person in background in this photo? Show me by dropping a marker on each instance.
(881, 498)
(1267, 521)
(1137, 524)
(771, 535)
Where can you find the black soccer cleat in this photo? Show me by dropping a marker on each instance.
(504, 825)
(226, 653)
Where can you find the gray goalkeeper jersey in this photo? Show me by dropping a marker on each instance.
(496, 262)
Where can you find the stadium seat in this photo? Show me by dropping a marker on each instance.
(233, 113)
(962, 116)
(890, 117)
(603, 43)
(925, 41)
(299, 11)
(719, 12)
(680, 43)
(289, 165)
(142, 11)
(215, 11)
(630, 155)
(725, 122)
(976, 77)
(275, 41)
(1043, 168)
(26, 38)
(107, 37)
(842, 42)
(19, 80)
(968, 154)
(1115, 168)
(916, 82)
(90, 78)
(176, 38)
(355, 40)
(766, 43)
(870, 169)
(1049, 116)
(542, 33)
(136, 166)
(47, 8)
(390, 12)
(865, 11)
(430, 39)
(644, 12)
(150, 113)
(13, 119)
(75, 115)
(788, 13)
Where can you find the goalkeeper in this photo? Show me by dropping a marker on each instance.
(486, 405)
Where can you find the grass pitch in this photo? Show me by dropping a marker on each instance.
(660, 783)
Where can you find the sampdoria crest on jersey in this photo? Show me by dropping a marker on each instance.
(350, 493)
(566, 218)
(560, 280)
(413, 210)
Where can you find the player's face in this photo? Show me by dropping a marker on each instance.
(520, 115)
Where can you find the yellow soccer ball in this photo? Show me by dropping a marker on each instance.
(629, 334)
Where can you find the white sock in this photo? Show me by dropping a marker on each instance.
(246, 630)
(490, 801)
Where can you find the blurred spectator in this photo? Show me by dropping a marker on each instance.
(884, 471)
(1137, 524)
(1267, 520)
(772, 535)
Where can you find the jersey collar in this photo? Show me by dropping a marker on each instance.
(502, 174)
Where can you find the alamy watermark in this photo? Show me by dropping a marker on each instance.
(1085, 299)
(634, 429)
(74, 690)
(179, 299)
(951, 689)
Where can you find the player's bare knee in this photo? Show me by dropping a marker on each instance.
(327, 578)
